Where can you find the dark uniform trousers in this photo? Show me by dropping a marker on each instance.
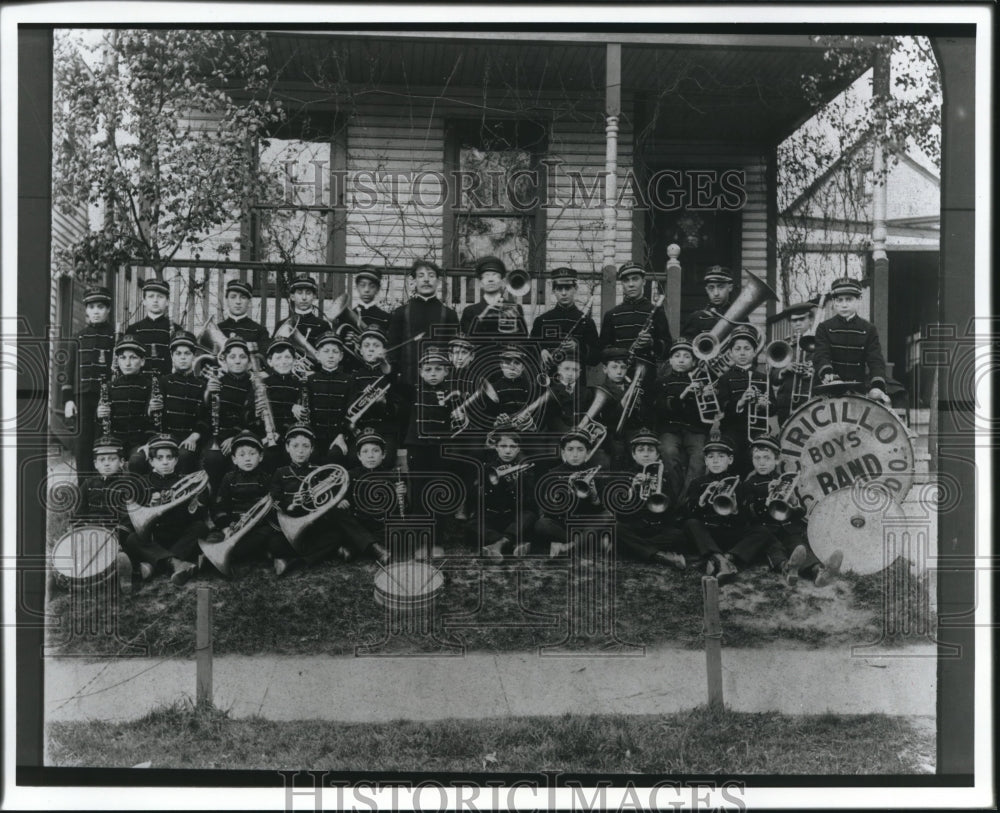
(786, 535)
(236, 411)
(510, 510)
(90, 358)
(321, 538)
(734, 426)
(712, 534)
(174, 534)
(551, 525)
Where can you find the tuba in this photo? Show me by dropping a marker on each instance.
(186, 489)
(581, 481)
(212, 338)
(322, 489)
(589, 423)
(708, 345)
(648, 484)
(722, 496)
(781, 496)
(218, 553)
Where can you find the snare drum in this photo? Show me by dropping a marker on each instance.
(85, 555)
(408, 585)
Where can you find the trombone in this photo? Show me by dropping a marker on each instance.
(802, 387)
(722, 496)
(758, 408)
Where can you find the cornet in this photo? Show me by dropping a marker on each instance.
(722, 496)
(511, 470)
(582, 481)
(322, 489)
(371, 395)
(781, 496)
(648, 484)
(218, 553)
(186, 489)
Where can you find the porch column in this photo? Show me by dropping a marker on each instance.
(880, 259)
(612, 110)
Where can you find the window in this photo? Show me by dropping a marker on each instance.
(495, 193)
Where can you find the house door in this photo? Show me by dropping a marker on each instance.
(913, 304)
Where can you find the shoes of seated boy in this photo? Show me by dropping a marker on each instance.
(461, 515)
(495, 549)
(559, 549)
(522, 550)
(183, 571)
(674, 560)
(344, 553)
(145, 571)
(826, 574)
(422, 554)
(725, 570)
(790, 569)
(283, 566)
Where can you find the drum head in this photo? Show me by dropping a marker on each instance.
(408, 585)
(85, 554)
(855, 521)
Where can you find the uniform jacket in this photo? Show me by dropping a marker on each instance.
(154, 335)
(622, 324)
(91, 354)
(851, 349)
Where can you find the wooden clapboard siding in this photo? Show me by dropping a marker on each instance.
(753, 238)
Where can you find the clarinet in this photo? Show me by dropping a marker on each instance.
(399, 500)
(106, 382)
(154, 392)
(216, 404)
(304, 402)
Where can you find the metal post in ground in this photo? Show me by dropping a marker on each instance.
(203, 646)
(713, 640)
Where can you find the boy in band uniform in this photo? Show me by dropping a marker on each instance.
(783, 380)
(718, 288)
(509, 502)
(625, 324)
(643, 534)
(512, 385)
(374, 371)
(130, 396)
(90, 362)
(303, 292)
(241, 488)
(564, 331)
(430, 422)
(367, 284)
(173, 541)
(154, 330)
(847, 346)
(373, 465)
(334, 533)
(239, 296)
(185, 417)
(284, 390)
(102, 498)
(329, 390)
(682, 432)
(566, 409)
(492, 315)
(788, 553)
(742, 388)
(234, 389)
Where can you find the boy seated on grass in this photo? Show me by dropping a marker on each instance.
(713, 522)
(172, 543)
(240, 489)
(644, 529)
(100, 496)
(572, 490)
(508, 497)
(789, 554)
(333, 533)
(366, 507)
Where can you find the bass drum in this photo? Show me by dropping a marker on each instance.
(837, 441)
(84, 555)
(864, 522)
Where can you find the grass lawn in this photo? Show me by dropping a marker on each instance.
(693, 742)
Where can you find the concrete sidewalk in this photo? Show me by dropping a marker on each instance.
(477, 686)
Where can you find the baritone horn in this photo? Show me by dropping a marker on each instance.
(721, 494)
(186, 489)
(708, 345)
(219, 553)
(322, 489)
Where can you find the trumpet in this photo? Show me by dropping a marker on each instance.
(648, 484)
(582, 481)
(371, 394)
(722, 496)
(322, 489)
(460, 414)
(781, 496)
(218, 553)
(186, 489)
(510, 471)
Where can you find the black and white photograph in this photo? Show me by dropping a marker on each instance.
(584, 409)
